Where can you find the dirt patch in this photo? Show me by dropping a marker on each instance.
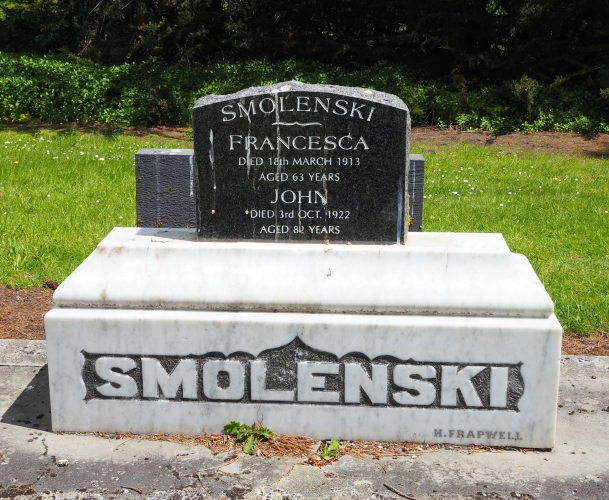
(542, 142)
(22, 311)
(303, 447)
(596, 145)
(14, 491)
(594, 345)
(179, 133)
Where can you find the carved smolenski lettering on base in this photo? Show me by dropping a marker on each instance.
(117, 385)
(258, 385)
(154, 377)
(223, 380)
(291, 145)
(297, 374)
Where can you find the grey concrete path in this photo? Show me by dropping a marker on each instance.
(32, 458)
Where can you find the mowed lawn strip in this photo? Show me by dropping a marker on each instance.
(62, 192)
(553, 208)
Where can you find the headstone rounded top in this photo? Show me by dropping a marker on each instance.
(294, 86)
(299, 162)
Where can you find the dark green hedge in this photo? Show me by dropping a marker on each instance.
(51, 90)
(548, 40)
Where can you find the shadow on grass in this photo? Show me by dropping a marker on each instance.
(601, 152)
(177, 132)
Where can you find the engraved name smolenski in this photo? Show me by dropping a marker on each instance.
(298, 374)
(299, 162)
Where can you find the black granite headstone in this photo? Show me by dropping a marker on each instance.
(165, 193)
(298, 162)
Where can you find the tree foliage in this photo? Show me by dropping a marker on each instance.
(493, 64)
(551, 41)
(51, 89)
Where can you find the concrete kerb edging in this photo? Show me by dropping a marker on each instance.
(15, 352)
(578, 467)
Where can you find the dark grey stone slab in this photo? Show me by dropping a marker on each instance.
(165, 188)
(174, 205)
(299, 162)
(416, 189)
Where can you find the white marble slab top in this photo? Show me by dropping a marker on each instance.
(434, 273)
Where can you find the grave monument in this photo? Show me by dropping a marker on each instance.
(300, 300)
(165, 194)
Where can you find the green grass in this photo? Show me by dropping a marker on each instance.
(55, 207)
(60, 194)
(553, 208)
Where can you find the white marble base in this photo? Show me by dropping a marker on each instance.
(433, 273)
(448, 338)
(145, 401)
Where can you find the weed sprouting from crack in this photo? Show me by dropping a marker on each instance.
(249, 435)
